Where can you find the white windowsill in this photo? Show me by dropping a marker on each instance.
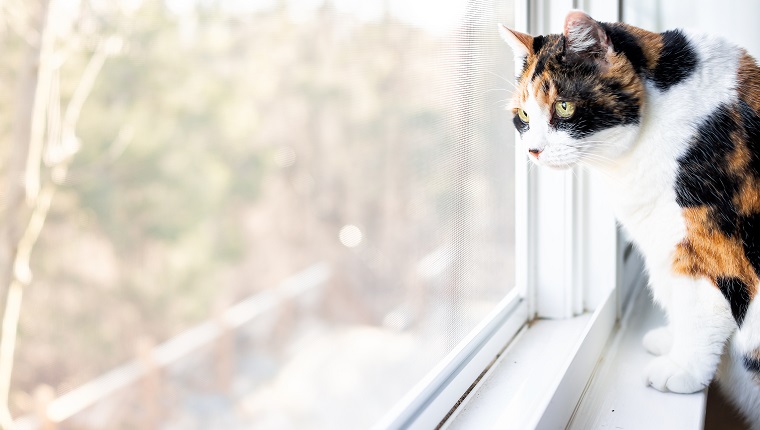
(425, 405)
(523, 378)
(617, 396)
(545, 376)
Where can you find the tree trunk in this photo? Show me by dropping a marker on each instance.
(17, 209)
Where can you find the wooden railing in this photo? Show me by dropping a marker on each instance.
(145, 374)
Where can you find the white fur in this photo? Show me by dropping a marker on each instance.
(538, 134)
(738, 385)
(658, 341)
(519, 50)
(749, 340)
(581, 38)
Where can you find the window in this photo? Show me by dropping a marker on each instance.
(272, 214)
(583, 383)
(292, 214)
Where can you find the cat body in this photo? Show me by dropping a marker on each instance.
(672, 122)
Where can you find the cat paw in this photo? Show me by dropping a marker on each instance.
(658, 341)
(664, 374)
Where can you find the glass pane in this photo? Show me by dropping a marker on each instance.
(273, 214)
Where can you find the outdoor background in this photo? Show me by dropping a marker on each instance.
(318, 194)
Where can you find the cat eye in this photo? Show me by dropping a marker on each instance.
(564, 109)
(523, 116)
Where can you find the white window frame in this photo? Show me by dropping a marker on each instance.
(552, 207)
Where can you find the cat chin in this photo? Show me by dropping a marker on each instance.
(555, 165)
(565, 166)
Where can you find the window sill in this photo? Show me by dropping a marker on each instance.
(540, 376)
(580, 373)
(432, 398)
(617, 396)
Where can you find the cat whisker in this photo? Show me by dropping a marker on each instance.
(595, 143)
(596, 157)
(502, 78)
(589, 149)
(593, 146)
(498, 89)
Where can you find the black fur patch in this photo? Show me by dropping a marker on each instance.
(540, 66)
(726, 216)
(545, 87)
(625, 42)
(592, 115)
(538, 43)
(750, 230)
(677, 60)
(751, 364)
(552, 50)
(702, 173)
(737, 294)
(519, 125)
(750, 224)
(751, 125)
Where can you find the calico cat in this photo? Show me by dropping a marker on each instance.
(672, 120)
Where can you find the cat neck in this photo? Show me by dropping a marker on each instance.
(642, 180)
(670, 117)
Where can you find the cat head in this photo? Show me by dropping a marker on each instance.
(577, 99)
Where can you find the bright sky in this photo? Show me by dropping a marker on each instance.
(436, 16)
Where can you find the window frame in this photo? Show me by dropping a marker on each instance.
(431, 401)
(586, 287)
(434, 398)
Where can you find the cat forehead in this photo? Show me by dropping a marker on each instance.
(548, 51)
(543, 90)
(549, 48)
(540, 70)
(550, 72)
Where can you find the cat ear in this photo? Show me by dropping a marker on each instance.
(521, 43)
(585, 36)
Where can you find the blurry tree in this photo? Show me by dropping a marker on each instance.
(44, 142)
(153, 213)
(222, 151)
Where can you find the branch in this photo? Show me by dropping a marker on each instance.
(62, 145)
(68, 143)
(41, 99)
(22, 275)
(106, 48)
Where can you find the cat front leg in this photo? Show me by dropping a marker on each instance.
(701, 322)
(658, 341)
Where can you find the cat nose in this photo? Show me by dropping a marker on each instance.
(534, 152)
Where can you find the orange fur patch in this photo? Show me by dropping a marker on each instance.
(650, 43)
(748, 76)
(707, 252)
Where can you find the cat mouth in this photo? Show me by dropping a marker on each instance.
(557, 156)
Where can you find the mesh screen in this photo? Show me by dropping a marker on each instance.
(280, 215)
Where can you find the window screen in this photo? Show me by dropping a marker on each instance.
(278, 214)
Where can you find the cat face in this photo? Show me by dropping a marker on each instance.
(577, 99)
